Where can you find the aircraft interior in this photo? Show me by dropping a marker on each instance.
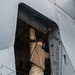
(22, 40)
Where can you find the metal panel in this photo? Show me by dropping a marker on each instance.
(68, 6)
(67, 68)
(67, 32)
(44, 7)
(55, 51)
(32, 18)
(7, 62)
(52, 1)
(8, 17)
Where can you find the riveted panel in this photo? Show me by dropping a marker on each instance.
(67, 32)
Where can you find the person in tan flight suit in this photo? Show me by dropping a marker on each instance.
(37, 54)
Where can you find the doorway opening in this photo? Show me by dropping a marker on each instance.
(22, 48)
(29, 18)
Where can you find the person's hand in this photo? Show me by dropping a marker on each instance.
(39, 43)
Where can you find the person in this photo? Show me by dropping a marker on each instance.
(37, 55)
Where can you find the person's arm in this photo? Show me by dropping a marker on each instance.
(47, 55)
(32, 34)
(32, 38)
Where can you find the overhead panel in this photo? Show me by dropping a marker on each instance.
(32, 18)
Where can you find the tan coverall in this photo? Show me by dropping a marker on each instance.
(38, 56)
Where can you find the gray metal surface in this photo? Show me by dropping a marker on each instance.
(8, 17)
(44, 7)
(7, 62)
(67, 67)
(67, 6)
(55, 51)
(67, 32)
(52, 1)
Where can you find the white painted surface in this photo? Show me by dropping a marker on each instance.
(67, 69)
(7, 62)
(52, 1)
(67, 6)
(67, 32)
(8, 17)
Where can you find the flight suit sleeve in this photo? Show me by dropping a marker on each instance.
(32, 37)
(47, 55)
(32, 34)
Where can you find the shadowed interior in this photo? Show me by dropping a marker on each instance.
(22, 48)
